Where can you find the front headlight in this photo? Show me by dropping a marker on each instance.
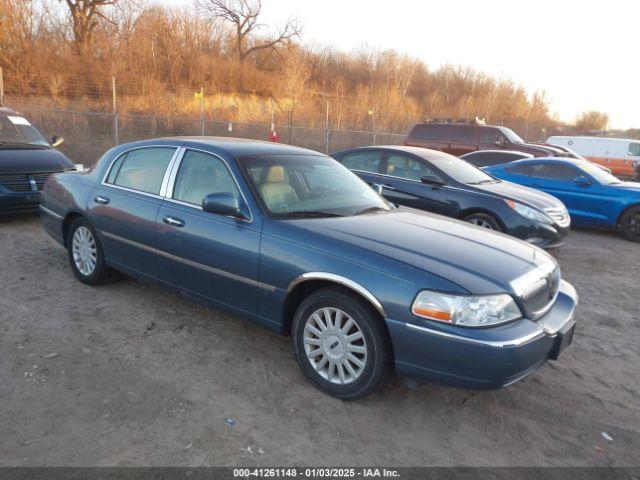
(468, 311)
(528, 212)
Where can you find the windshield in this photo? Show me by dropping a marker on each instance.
(309, 186)
(597, 173)
(512, 136)
(461, 171)
(17, 130)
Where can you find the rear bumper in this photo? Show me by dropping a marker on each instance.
(484, 358)
(15, 203)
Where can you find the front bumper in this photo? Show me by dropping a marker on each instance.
(15, 203)
(484, 358)
(540, 234)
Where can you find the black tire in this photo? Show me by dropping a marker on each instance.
(100, 272)
(378, 363)
(630, 224)
(484, 220)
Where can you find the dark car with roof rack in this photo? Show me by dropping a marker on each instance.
(27, 159)
(459, 137)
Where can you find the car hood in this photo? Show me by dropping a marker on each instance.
(32, 160)
(519, 193)
(478, 260)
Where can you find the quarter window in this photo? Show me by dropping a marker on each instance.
(403, 166)
(363, 161)
(634, 149)
(141, 169)
(201, 174)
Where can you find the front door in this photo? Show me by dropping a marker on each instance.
(402, 184)
(125, 205)
(210, 256)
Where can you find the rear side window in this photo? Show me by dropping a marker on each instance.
(201, 174)
(554, 171)
(480, 159)
(363, 161)
(462, 134)
(429, 132)
(141, 169)
(634, 149)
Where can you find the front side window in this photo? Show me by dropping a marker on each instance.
(201, 174)
(634, 149)
(489, 136)
(141, 169)
(554, 171)
(404, 166)
(363, 161)
(298, 186)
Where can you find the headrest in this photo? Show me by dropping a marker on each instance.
(275, 174)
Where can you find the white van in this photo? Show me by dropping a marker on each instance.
(618, 154)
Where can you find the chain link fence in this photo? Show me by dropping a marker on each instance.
(89, 134)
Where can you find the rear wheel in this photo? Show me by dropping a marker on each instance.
(630, 224)
(85, 253)
(340, 344)
(483, 220)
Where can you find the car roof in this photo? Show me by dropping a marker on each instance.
(574, 161)
(7, 111)
(426, 153)
(603, 139)
(238, 146)
(511, 152)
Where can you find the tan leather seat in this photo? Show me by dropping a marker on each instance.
(277, 193)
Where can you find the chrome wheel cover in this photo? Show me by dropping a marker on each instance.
(85, 251)
(480, 222)
(335, 345)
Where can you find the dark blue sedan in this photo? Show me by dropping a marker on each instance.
(294, 241)
(594, 197)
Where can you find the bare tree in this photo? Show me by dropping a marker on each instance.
(244, 15)
(86, 16)
(592, 121)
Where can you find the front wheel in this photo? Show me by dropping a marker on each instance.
(483, 220)
(630, 224)
(341, 344)
(85, 253)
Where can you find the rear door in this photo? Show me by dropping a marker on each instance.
(402, 183)
(124, 207)
(463, 139)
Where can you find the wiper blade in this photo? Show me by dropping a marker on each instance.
(370, 210)
(311, 213)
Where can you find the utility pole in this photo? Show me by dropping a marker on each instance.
(114, 110)
(202, 109)
(1, 89)
(326, 130)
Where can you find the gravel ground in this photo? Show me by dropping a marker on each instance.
(127, 374)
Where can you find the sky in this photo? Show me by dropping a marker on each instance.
(584, 54)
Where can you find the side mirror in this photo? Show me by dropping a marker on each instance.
(499, 143)
(57, 141)
(582, 181)
(224, 203)
(432, 180)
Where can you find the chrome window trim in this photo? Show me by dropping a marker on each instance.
(399, 178)
(341, 280)
(488, 343)
(191, 263)
(133, 190)
(174, 175)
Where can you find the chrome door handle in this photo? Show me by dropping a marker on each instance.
(176, 222)
(101, 200)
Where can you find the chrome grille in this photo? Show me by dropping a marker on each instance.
(559, 215)
(538, 289)
(21, 182)
(16, 182)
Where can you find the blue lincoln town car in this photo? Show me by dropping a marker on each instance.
(292, 240)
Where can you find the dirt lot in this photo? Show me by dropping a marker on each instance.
(126, 374)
